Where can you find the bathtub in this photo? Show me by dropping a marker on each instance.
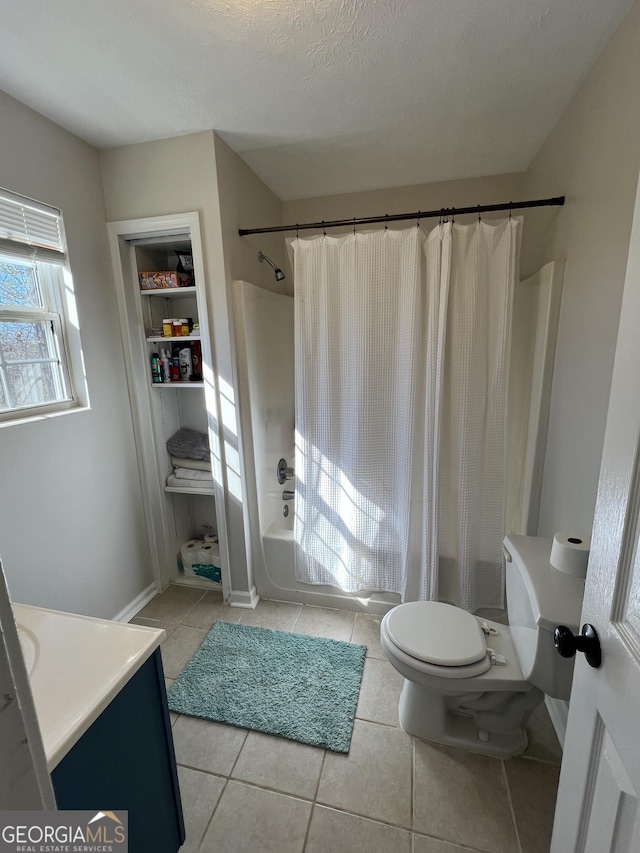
(277, 579)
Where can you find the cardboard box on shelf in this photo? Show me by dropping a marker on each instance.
(159, 280)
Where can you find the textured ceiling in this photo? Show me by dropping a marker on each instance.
(318, 96)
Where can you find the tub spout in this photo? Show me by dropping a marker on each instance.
(288, 495)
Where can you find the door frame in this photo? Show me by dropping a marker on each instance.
(121, 235)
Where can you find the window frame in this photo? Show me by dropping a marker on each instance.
(55, 286)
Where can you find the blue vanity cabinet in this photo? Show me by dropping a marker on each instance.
(126, 761)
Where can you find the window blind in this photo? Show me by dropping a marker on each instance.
(30, 230)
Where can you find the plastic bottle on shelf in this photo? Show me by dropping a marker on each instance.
(186, 327)
(186, 363)
(174, 367)
(167, 327)
(166, 365)
(156, 368)
(196, 359)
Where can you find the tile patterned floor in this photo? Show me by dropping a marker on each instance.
(246, 792)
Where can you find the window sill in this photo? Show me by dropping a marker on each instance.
(27, 418)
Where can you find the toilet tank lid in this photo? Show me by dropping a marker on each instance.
(437, 633)
(555, 597)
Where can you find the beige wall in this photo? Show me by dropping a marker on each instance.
(72, 533)
(246, 202)
(592, 156)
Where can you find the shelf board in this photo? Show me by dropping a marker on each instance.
(177, 385)
(170, 292)
(181, 491)
(159, 338)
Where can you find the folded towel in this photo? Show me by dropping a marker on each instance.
(192, 474)
(195, 464)
(189, 484)
(190, 444)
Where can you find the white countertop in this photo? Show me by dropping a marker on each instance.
(76, 666)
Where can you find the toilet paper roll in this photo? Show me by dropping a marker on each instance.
(207, 564)
(215, 555)
(570, 554)
(189, 553)
(205, 556)
(211, 538)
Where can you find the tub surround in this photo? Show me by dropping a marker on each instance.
(77, 665)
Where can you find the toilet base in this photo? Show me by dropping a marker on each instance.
(491, 723)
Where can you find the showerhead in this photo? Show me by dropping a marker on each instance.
(278, 272)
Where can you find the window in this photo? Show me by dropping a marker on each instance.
(36, 302)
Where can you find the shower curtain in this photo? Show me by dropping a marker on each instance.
(401, 360)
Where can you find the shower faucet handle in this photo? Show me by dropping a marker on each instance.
(283, 472)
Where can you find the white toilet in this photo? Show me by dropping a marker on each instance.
(473, 683)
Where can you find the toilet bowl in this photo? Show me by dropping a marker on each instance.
(473, 683)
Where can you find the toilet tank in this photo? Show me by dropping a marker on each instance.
(539, 598)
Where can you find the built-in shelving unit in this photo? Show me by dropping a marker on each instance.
(175, 514)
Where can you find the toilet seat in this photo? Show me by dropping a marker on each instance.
(437, 633)
(430, 642)
(441, 673)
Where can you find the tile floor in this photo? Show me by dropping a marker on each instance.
(246, 792)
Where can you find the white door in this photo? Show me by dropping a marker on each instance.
(598, 800)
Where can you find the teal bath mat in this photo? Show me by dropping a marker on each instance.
(301, 688)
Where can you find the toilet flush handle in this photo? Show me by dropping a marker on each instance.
(588, 642)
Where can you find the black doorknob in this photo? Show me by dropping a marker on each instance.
(567, 644)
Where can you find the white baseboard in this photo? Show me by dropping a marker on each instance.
(127, 613)
(248, 600)
(558, 711)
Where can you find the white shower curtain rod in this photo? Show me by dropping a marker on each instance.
(398, 217)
